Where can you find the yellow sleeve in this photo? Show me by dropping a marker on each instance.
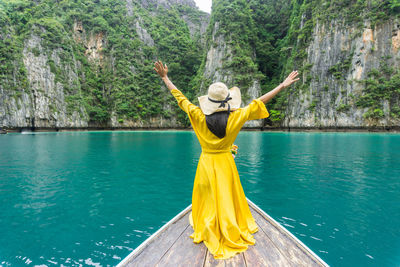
(184, 103)
(255, 110)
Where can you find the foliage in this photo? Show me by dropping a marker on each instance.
(268, 38)
(234, 21)
(12, 71)
(342, 67)
(381, 85)
(343, 107)
(123, 79)
(275, 115)
(304, 15)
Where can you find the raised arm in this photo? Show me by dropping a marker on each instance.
(192, 110)
(287, 82)
(162, 71)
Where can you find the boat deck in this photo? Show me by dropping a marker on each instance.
(172, 246)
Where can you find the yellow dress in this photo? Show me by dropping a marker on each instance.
(220, 215)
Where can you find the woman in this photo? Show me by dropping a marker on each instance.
(220, 215)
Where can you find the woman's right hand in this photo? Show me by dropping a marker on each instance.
(291, 79)
(287, 82)
(161, 70)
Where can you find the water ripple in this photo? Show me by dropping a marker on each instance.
(91, 198)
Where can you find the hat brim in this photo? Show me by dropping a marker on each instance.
(209, 107)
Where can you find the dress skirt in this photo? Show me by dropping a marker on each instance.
(220, 213)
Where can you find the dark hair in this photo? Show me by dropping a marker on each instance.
(216, 123)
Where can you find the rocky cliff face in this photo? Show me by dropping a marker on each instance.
(96, 71)
(218, 54)
(196, 22)
(45, 102)
(340, 58)
(230, 56)
(48, 105)
(167, 3)
(60, 74)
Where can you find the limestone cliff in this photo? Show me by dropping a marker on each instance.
(84, 64)
(349, 60)
(229, 54)
(45, 101)
(340, 58)
(77, 72)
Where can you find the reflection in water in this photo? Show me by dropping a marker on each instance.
(332, 190)
(78, 198)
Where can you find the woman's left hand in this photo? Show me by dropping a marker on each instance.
(161, 70)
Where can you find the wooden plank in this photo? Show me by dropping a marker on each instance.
(237, 260)
(157, 247)
(171, 245)
(184, 252)
(264, 252)
(286, 246)
(305, 249)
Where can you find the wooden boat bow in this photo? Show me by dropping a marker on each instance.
(172, 246)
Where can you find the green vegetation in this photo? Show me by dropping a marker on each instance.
(356, 11)
(342, 67)
(313, 105)
(253, 30)
(12, 70)
(236, 25)
(381, 84)
(343, 107)
(303, 17)
(275, 115)
(291, 50)
(122, 77)
(268, 39)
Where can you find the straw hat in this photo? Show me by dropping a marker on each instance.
(219, 98)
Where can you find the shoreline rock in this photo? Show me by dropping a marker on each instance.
(392, 129)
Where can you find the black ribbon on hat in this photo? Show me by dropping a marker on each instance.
(223, 102)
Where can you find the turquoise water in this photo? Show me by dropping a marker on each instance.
(90, 198)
